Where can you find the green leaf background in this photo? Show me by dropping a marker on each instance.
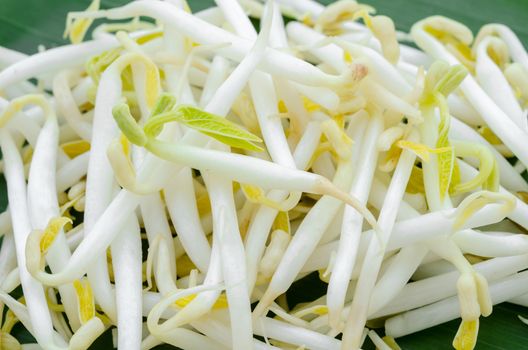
(26, 24)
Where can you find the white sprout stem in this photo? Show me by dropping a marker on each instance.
(5, 222)
(71, 172)
(463, 110)
(275, 62)
(226, 231)
(331, 54)
(94, 245)
(53, 59)
(240, 168)
(291, 334)
(397, 274)
(207, 294)
(414, 56)
(126, 262)
(16, 192)
(372, 261)
(67, 105)
(220, 333)
(175, 336)
(100, 181)
(214, 328)
(43, 206)
(449, 309)
(497, 120)
(179, 192)
(222, 203)
(155, 222)
(320, 95)
(181, 203)
(379, 68)
(217, 75)
(234, 14)
(494, 83)
(352, 222)
(260, 225)
(278, 39)
(265, 101)
(8, 260)
(309, 233)
(403, 265)
(491, 244)
(410, 230)
(432, 289)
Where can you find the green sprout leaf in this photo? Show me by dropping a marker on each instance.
(207, 123)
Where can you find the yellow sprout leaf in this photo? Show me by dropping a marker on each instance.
(466, 337)
(149, 37)
(282, 222)
(416, 184)
(347, 56)
(77, 30)
(52, 230)
(489, 135)
(281, 106)
(97, 64)
(75, 148)
(220, 303)
(421, 150)
(307, 20)
(310, 105)
(256, 194)
(319, 310)
(85, 298)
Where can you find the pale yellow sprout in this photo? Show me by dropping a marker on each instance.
(76, 29)
(474, 301)
(274, 252)
(8, 342)
(50, 233)
(331, 19)
(476, 201)
(39, 241)
(257, 195)
(455, 36)
(518, 77)
(341, 143)
(85, 299)
(220, 303)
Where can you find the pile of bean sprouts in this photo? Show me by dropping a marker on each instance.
(173, 176)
